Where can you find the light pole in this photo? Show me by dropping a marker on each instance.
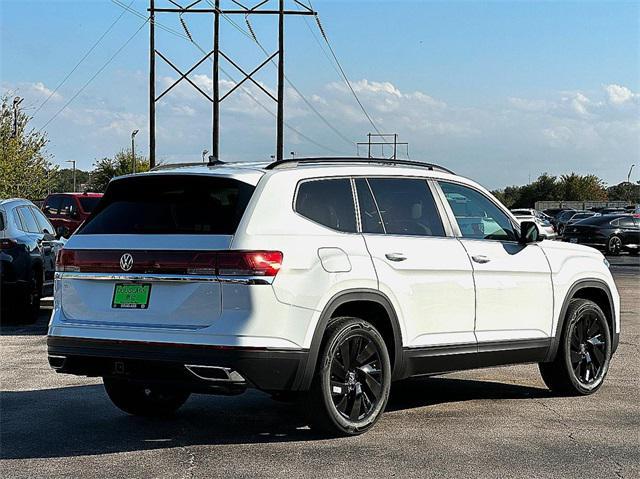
(293, 155)
(204, 153)
(74, 173)
(629, 174)
(16, 102)
(133, 149)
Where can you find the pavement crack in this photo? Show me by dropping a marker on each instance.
(190, 463)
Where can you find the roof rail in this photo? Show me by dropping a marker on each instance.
(357, 159)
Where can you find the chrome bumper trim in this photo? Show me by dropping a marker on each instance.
(168, 278)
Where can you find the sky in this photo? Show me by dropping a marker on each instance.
(498, 91)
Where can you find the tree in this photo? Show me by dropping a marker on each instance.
(64, 180)
(624, 191)
(107, 168)
(25, 169)
(574, 187)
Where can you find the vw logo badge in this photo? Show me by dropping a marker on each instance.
(126, 262)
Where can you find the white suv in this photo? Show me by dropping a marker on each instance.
(321, 278)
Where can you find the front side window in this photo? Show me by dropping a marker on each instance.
(43, 223)
(478, 217)
(328, 202)
(369, 214)
(407, 206)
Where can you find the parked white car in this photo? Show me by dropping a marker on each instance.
(324, 278)
(542, 220)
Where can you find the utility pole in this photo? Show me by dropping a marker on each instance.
(133, 149)
(215, 55)
(152, 86)
(74, 173)
(204, 154)
(629, 174)
(382, 143)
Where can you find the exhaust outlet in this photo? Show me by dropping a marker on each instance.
(215, 373)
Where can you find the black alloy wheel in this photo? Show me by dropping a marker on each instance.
(356, 377)
(614, 246)
(352, 384)
(588, 349)
(584, 352)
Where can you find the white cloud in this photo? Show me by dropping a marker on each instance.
(585, 131)
(619, 95)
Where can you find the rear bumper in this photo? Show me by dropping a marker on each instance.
(265, 369)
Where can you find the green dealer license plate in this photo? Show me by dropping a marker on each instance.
(131, 296)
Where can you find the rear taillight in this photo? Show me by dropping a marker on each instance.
(7, 244)
(227, 263)
(249, 263)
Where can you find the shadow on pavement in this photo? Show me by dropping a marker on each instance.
(80, 420)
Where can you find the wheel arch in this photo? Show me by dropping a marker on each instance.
(351, 303)
(594, 290)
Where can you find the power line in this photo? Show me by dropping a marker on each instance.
(229, 76)
(94, 76)
(95, 44)
(252, 36)
(344, 75)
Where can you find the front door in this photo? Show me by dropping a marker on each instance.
(421, 267)
(514, 294)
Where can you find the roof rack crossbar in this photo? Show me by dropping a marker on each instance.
(357, 159)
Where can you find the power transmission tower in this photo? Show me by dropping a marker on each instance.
(258, 9)
(382, 143)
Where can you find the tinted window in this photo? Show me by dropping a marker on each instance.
(626, 223)
(369, 214)
(67, 206)
(88, 203)
(52, 206)
(407, 207)
(170, 204)
(478, 217)
(328, 202)
(27, 219)
(43, 223)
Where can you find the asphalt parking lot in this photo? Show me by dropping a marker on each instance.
(499, 422)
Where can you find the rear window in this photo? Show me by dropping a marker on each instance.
(170, 204)
(328, 202)
(88, 203)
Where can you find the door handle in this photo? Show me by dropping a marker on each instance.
(395, 257)
(482, 259)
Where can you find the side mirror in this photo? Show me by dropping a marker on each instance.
(529, 233)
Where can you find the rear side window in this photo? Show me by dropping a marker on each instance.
(626, 223)
(328, 202)
(28, 221)
(407, 207)
(52, 206)
(170, 204)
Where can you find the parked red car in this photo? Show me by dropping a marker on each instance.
(67, 211)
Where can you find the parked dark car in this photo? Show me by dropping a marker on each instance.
(67, 211)
(563, 218)
(610, 233)
(28, 249)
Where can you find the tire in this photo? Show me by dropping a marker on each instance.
(614, 245)
(583, 357)
(144, 400)
(349, 397)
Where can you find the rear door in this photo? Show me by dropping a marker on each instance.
(630, 227)
(420, 265)
(514, 295)
(153, 239)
